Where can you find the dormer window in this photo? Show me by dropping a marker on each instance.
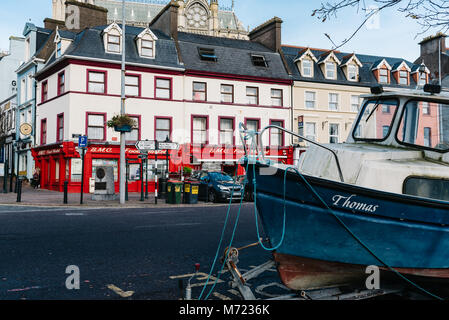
(259, 61)
(331, 70)
(146, 44)
(353, 72)
(422, 78)
(403, 78)
(147, 48)
(207, 54)
(307, 68)
(112, 38)
(58, 49)
(383, 76)
(113, 43)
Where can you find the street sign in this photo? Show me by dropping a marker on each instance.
(168, 146)
(82, 142)
(146, 145)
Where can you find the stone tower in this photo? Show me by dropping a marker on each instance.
(59, 8)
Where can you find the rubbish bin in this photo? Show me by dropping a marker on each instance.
(174, 192)
(162, 188)
(191, 192)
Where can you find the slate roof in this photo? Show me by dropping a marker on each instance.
(233, 56)
(367, 78)
(89, 43)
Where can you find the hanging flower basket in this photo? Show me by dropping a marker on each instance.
(122, 123)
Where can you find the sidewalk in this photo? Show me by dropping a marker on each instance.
(47, 198)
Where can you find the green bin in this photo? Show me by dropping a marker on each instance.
(191, 192)
(174, 192)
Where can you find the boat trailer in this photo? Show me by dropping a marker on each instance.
(240, 282)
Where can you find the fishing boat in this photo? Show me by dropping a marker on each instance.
(380, 199)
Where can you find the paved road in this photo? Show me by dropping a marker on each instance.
(141, 251)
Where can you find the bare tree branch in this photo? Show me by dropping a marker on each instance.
(429, 14)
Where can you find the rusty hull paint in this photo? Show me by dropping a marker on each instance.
(308, 274)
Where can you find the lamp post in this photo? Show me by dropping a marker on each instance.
(122, 112)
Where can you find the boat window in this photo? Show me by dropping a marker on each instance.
(425, 124)
(427, 188)
(375, 120)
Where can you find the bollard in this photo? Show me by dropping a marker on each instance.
(66, 187)
(5, 177)
(19, 191)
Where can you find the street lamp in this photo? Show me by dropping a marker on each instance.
(122, 112)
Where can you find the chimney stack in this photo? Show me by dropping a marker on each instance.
(269, 34)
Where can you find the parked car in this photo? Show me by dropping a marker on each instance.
(249, 190)
(217, 186)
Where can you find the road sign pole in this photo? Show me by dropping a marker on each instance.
(146, 180)
(122, 112)
(156, 183)
(82, 176)
(142, 194)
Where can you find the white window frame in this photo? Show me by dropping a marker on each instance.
(306, 100)
(355, 106)
(354, 72)
(337, 136)
(304, 68)
(332, 102)
(331, 68)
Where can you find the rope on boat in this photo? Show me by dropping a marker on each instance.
(253, 155)
(355, 236)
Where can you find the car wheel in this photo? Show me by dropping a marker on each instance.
(212, 197)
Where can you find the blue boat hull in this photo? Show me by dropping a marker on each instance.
(401, 231)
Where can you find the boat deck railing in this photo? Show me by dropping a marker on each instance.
(260, 147)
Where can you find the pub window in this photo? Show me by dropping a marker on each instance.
(199, 91)
(96, 82)
(163, 88)
(252, 95)
(163, 129)
(134, 135)
(277, 98)
(227, 131)
(227, 93)
(276, 135)
(43, 131)
(61, 83)
(199, 130)
(44, 91)
(96, 126)
(132, 85)
(60, 127)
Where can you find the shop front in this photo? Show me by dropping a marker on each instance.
(62, 162)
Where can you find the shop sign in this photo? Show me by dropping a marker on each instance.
(48, 152)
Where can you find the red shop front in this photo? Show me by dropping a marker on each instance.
(62, 162)
(227, 158)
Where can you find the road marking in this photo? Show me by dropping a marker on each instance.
(120, 292)
(69, 214)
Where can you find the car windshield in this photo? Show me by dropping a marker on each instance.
(220, 177)
(375, 120)
(425, 124)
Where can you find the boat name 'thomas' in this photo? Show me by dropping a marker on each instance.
(346, 202)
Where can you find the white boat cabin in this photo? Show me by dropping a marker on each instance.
(399, 144)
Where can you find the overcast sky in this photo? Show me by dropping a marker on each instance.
(391, 35)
